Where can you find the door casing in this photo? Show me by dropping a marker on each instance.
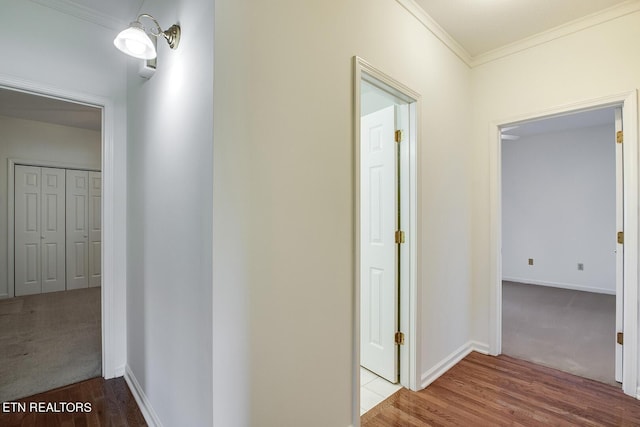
(410, 211)
(113, 331)
(628, 101)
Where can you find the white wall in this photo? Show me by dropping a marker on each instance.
(599, 61)
(53, 51)
(170, 158)
(283, 199)
(559, 208)
(37, 141)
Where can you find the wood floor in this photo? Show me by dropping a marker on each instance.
(111, 404)
(499, 391)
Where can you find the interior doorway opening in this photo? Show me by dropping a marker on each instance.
(385, 123)
(629, 176)
(562, 267)
(52, 154)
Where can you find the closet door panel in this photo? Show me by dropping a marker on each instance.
(27, 228)
(95, 229)
(53, 234)
(77, 201)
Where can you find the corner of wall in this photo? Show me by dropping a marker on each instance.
(450, 361)
(120, 371)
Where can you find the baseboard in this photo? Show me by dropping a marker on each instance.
(448, 362)
(148, 413)
(480, 347)
(120, 371)
(570, 286)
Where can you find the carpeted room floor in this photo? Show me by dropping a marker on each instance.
(569, 330)
(48, 341)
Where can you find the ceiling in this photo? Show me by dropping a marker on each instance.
(480, 26)
(27, 106)
(564, 122)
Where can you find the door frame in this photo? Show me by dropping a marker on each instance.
(410, 210)
(629, 103)
(113, 331)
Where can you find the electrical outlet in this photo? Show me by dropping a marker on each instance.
(580, 266)
(530, 261)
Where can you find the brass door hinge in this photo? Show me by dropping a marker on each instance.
(399, 338)
(621, 237)
(399, 236)
(619, 137)
(620, 338)
(398, 136)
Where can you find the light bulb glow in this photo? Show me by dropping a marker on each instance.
(135, 46)
(134, 41)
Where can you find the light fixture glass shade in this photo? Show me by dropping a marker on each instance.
(134, 41)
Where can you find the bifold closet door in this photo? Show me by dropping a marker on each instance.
(77, 229)
(95, 229)
(39, 227)
(84, 231)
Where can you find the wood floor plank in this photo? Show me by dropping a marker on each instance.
(112, 405)
(499, 391)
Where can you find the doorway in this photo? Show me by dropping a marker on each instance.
(627, 315)
(386, 235)
(560, 214)
(55, 333)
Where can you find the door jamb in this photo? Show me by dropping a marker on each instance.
(110, 332)
(409, 292)
(629, 103)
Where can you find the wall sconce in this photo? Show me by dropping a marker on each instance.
(135, 40)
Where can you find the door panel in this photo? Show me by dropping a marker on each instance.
(77, 229)
(95, 228)
(27, 224)
(378, 264)
(53, 230)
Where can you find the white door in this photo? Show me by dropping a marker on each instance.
(77, 229)
(619, 247)
(378, 263)
(95, 228)
(39, 212)
(28, 278)
(53, 229)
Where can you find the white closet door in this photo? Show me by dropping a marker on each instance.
(95, 229)
(53, 229)
(77, 229)
(378, 249)
(27, 227)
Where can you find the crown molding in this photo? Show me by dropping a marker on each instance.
(558, 32)
(430, 24)
(617, 11)
(72, 8)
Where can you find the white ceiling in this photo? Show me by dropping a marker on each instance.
(480, 26)
(27, 106)
(565, 122)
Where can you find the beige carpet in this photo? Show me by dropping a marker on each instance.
(568, 330)
(48, 341)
